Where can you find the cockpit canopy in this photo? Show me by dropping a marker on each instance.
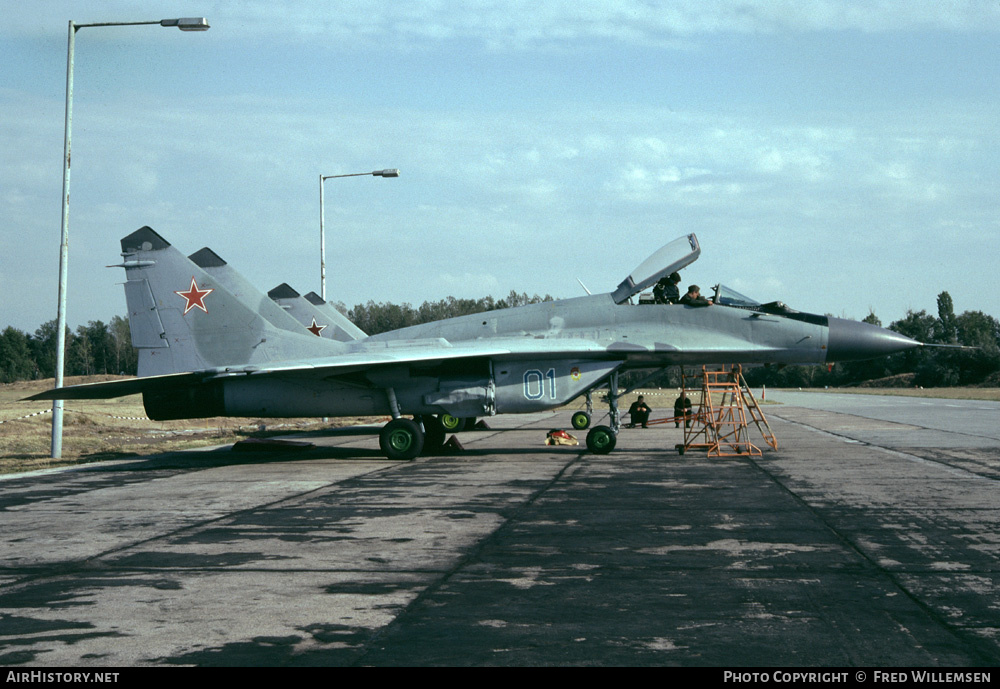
(730, 297)
(678, 254)
(668, 259)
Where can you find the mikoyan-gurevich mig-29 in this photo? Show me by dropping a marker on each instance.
(211, 345)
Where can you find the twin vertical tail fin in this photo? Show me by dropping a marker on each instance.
(317, 316)
(183, 319)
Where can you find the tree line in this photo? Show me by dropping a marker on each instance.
(978, 364)
(375, 318)
(98, 347)
(94, 348)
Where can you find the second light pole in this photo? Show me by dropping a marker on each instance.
(392, 172)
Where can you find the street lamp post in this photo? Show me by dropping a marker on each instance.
(392, 172)
(184, 24)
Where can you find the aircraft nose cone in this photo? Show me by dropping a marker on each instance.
(851, 341)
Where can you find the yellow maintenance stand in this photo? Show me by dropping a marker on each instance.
(719, 423)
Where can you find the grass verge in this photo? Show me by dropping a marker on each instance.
(97, 430)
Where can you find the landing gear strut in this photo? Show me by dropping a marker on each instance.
(434, 434)
(602, 439)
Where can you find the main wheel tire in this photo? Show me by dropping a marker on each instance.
(580, 420)
(452, 424)
(601, 440)
(401, 439)
(434, 434)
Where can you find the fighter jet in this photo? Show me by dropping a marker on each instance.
(206, 351)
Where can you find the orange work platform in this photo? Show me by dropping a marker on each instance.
(720, 422)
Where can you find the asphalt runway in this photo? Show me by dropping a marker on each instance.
(869, 538)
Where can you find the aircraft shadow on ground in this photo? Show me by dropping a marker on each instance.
(226, 456)
(249, 455)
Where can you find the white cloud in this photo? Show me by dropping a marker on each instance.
(469, 285)
(487, 162)
(518, 24)
(803, 163)
(894, 171)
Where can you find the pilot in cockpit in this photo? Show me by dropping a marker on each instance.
(665, 291)
(694, 298)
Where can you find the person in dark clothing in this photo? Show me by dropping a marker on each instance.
(682, 410)
(639, 413)
(694, 298)
(665, 291)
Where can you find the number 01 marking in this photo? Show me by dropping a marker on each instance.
(534, 383)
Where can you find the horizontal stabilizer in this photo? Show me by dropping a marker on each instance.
(116, 388)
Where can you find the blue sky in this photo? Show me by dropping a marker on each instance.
(840, 156)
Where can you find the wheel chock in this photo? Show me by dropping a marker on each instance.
(452, 447)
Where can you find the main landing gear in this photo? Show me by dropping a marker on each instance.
(601, 439)
(452, 424)
(406, 439)
(401, 439)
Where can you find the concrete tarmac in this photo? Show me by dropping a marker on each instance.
(869, 538)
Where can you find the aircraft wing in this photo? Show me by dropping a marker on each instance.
(372, 356)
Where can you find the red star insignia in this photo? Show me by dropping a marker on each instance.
(316, 329)
(195, 297)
